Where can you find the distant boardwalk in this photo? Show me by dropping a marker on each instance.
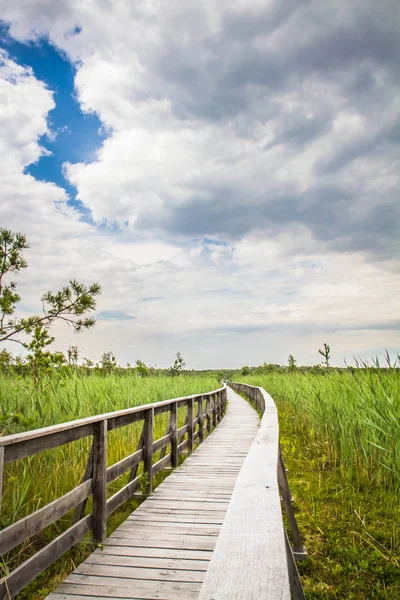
(164, 548)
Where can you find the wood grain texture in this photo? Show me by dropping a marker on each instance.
(164, 548)
(99, 515)
(249, 560)
(18, 532)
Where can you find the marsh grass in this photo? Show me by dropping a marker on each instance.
(35, 481)
(340, 437)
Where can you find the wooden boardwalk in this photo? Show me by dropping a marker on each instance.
(164, 548)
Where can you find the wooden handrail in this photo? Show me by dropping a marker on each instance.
(97, 475)
(250, 560)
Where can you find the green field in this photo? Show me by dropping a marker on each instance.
(340, 437)
(35, 481)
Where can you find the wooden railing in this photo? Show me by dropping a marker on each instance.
(253, 557)
(204, 411)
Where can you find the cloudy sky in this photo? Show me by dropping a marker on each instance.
(228, 171)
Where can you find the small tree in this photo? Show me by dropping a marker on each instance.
(326, 353)
(292, 362)
(70, 304)
(6, 360)
(108, 361)
(179, 365)
(87, 363)
(142, 369)
(39, 359)
(245, 371)
(73, 355)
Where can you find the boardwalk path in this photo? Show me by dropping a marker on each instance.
(164, 548)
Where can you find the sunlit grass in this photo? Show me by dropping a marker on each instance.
(340, 437)
(35, 481)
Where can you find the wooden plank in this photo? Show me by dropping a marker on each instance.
(146, 590)
(99, 521)
(148, 447)
(122, 495)
(167, 431)
(155, 562)
(88, 474)
(174, 435)
(249, 560)
(18, 438)
(18, 532)
(201, 420)
(127, 574)
(190, 424)
(1, 473)
(134, 470)
(132, 551)
(161, 443)
(161, 464)
(33, 445)
(182, 430)
(119, 468)
(31, 568)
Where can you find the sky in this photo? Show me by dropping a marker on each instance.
(227, 171)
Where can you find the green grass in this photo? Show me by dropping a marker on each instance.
(340, 437)
(35, 481)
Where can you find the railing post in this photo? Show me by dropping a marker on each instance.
(1, 472)
(214, 410)
(218, 407)
(99, 517)
(208, 404)
(190, 425)
(201, 420)
(174, 434)
(148, 447)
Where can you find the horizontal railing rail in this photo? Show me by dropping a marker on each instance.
(252, 557)
(204, 411)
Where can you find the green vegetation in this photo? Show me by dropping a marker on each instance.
(340, 437)
(35, 481)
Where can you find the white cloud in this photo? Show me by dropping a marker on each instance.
(217, 127)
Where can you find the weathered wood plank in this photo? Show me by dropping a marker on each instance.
(161, 464)
(148, 447)
(119, 468)
(249, 560)
(99, 521)
(1, 473)
(154, 562)
(31, 568)
(144, 591)
(122, 495)
(161, 443)
(127, 574)
(190, 424)
(174, 435)
(18, 532)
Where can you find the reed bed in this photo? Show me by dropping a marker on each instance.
(340, 438)
(356, 416)
(35, 481)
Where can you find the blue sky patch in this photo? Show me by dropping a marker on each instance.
(78, 135)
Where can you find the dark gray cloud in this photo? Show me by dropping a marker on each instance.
(239, 74)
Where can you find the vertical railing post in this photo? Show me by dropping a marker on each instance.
(214, 410)
(208, 405)
(190, 425)
(201, 420)
(174, 434)
(1, 473)
(99, 516)
(218, 407)
(148, 447)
